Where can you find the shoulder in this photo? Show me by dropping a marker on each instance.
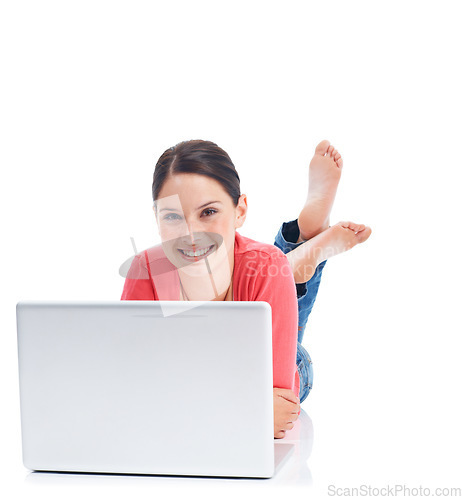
(257, 263)
(147, 262)
(156, 261)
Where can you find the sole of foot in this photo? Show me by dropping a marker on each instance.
(343, 236)
(324, 175)
(332, 241)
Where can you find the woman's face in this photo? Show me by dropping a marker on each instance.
(197, 220)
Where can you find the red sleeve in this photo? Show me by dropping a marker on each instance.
(275, 285)
(138, 285)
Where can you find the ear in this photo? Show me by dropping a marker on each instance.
(241, 211)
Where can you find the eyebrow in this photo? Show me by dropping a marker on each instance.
(198, 208)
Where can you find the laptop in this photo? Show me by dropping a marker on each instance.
(120, 387)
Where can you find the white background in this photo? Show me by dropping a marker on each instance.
(93, 92)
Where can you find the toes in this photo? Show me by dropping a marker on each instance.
(361, 232)
(350, 225)
(330, 149)
(364, 234)
(357, 227)
(339, 162)
(334, 153)
(354, 227)
(321, 148)
(337, 156)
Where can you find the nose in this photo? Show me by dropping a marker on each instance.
(195, 235)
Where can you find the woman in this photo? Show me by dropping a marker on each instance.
(198, 207)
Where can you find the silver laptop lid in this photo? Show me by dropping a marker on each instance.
(120, 387)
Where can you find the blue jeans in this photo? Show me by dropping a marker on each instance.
(306, 295)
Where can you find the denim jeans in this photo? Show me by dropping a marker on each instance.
(306, 295)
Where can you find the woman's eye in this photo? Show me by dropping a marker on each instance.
(174, 217)
(171, 217)
(209, 211)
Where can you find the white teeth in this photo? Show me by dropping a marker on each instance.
(196, 254)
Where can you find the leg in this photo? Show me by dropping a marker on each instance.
(286, 240)
(330, 242)
(305, 372)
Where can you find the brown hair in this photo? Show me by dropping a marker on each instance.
(197, 157)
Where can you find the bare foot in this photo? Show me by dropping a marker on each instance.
(336, 239)
(324, 176)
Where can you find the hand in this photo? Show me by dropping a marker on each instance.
(286, 408)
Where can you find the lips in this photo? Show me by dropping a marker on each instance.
(197, 255)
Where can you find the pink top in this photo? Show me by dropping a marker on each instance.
(261, 272)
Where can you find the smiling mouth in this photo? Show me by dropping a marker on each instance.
(197, 255)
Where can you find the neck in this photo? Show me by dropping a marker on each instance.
(214, 286)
